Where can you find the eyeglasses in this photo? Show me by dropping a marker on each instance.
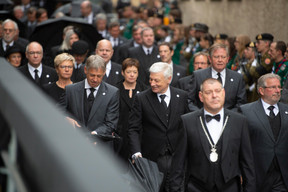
(33, 53)
(218, 57)
(65, 67)
(200, 63)
(8, 30)
(274, 87)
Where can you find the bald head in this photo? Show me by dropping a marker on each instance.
(104, 49)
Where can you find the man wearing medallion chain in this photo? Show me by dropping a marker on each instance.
(215, 144)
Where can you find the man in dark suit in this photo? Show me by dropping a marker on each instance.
(200, 61)
(267, 123)
(92, 102)
(154, 118)
(166, 52)
(113, 70)
(80, 51)
(122, 53)
(147, 54)
(115, 37)
(34, 70)
(232, 81)
(215, 143)
(10, 33)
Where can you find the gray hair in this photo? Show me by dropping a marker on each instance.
(10, 20)
(201, 53)
(100, 16)
(217, 46)
(146, 29)
(95, 62)
(262, 80)
(161, 67)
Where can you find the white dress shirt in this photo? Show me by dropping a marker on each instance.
(215, 127)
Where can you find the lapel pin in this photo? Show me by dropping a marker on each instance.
(286, 112)
(138, 92)
(158, 56)
(47, 76)
(104, 93)
(177, 95)
(117, 72)
(231, 80)
(178, 74)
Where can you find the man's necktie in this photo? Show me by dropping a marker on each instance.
(7, 47)
(219, 77)
(91, 98)
(271, 114)
(163, 101)
(148, 52)
(37, 79)
(115, 42)
(209, 117)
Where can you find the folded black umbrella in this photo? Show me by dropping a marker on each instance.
(49, 33)
(144, 175)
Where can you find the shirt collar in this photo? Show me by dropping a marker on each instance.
(167, 93)
(87, 86)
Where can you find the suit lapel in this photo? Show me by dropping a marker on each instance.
(203, 138)
(80, 94)
(156, 106)
(226, 133)
(174, 104)
(284, 122)
(263, 119)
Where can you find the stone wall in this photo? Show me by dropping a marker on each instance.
(235, 17)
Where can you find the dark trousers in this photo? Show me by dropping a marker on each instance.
(274, 182)
(231, 186)
(164, 165)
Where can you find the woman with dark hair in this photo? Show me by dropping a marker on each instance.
(206, 41)
(14, 56)
(128, 88)
(232, 51)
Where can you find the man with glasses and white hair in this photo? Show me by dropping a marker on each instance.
(154, 120)
(267, 123)
(232, 81)
(34, 70)
(10, 33)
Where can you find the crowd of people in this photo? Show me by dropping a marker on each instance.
(211, 111)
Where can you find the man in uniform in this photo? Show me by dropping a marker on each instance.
(263, 42)
(280, 67)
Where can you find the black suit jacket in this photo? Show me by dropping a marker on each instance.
(48, 75)
(121, 41)
(115, 74)
(145, 61)
(21, 44)
(148, 130)
(264, 146)
(236, 155)
(178, 72)
(184, 83)
(235, 92)
(121, 53)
